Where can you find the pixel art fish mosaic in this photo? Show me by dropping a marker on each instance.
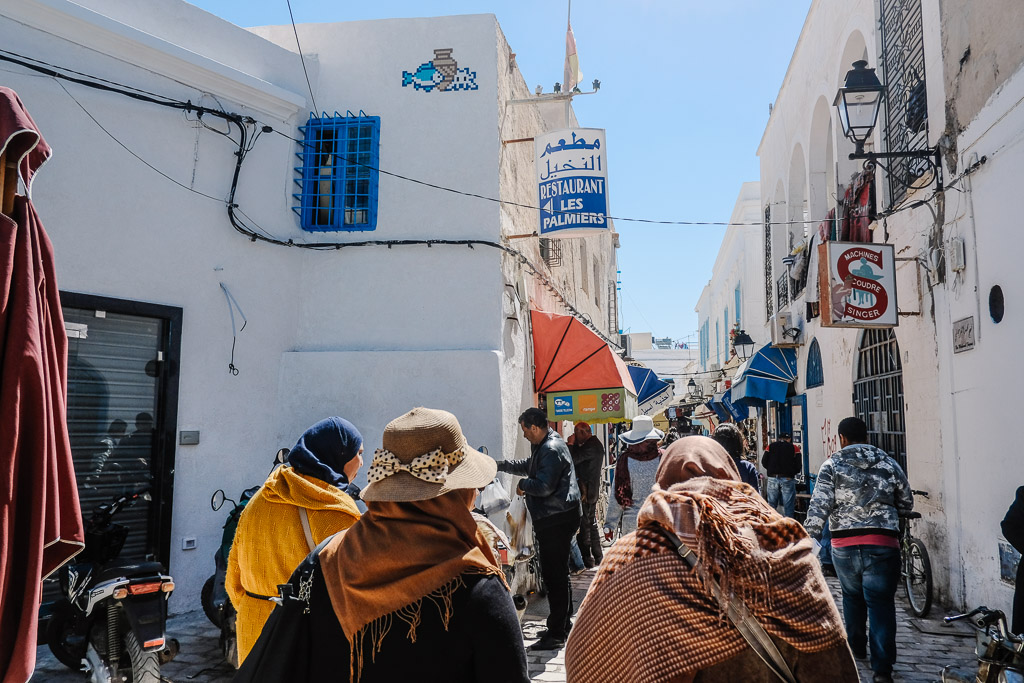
(441, 73)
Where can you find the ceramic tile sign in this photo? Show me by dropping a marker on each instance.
(442, 73)
(858, 284)
(572, 180)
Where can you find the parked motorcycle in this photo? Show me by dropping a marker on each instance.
(1000, 653)
(112, 615)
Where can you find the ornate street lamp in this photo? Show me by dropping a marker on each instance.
(743, 345)
(858, 102)
(694, 390)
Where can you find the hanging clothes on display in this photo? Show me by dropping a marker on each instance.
(40, 519)
(858, 208)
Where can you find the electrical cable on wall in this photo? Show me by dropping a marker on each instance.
(250, 131)
(235, 330)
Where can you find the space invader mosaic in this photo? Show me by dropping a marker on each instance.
(441, 73)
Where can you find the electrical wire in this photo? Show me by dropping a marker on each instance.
(301, 58)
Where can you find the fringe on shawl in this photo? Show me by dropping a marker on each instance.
(411, 614)
(719, 545)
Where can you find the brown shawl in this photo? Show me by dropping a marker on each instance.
(649, 617)
(397, 554)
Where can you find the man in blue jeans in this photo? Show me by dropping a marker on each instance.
(860, 491)
(782, 465)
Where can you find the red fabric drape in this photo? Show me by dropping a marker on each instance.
(40, 519)
(858, 207)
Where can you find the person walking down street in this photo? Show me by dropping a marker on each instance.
(782, 465)
(553, 499)
(413, 592)
(653, 616)
(1013, 530)
(588, 458)
(300, 504)
(735, 444)
(634, 473)
(860, 492)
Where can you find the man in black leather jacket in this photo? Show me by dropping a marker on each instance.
(553, 499)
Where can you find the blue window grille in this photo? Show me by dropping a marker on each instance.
(815, 374)
(338, 175)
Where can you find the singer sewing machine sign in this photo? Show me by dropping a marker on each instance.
(858, 284)
(572, 177)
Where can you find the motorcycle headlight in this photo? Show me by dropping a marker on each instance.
(1010, 676)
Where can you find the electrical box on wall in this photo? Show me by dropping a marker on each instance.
(957, 255)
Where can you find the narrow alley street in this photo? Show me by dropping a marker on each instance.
(921, 654)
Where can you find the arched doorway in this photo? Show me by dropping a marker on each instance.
(878, 392)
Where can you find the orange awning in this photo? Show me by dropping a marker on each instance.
(568, 356)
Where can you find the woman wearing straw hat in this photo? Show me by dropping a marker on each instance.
(634, 472)
(299, 505)
(412, 592)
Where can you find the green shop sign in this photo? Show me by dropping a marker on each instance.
(592, 405)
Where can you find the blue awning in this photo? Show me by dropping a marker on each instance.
(738, 411)
(765, 377)
(651, 392)
(718, 406)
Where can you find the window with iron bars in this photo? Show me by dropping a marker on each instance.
(906, 108)
(551, 251)
(769, 282)
(338, 174)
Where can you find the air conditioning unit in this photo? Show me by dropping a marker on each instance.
(627, 345)
(784, 331)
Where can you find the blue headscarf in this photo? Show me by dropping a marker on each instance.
(324, 449)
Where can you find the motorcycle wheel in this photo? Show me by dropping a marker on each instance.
(917, 580)
(206, 598)
(66, 645)
(145, 666)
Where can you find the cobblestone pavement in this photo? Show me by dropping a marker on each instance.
(920, 660)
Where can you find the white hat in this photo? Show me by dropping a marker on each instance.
(643, 430)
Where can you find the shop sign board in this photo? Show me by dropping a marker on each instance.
(572, 181)
(858, 284)
(592, 405)
(963, 335)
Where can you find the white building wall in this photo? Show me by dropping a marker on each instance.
(364, 332)
(801, 140)
(739, 263)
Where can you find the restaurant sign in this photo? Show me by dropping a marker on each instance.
(858, 284)
(572, 181)
(592, 405)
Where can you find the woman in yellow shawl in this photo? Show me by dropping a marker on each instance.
(301, 503)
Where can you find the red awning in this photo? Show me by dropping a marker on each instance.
(568, 356)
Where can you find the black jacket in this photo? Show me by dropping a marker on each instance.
(588, 458)
(780, 460)
(550, 485)
(482, 642)
(1013, 530)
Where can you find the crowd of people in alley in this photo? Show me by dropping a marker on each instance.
(708, 581)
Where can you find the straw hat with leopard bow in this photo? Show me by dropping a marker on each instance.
(424, 455)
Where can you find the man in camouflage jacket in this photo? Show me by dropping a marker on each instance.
(860, 490)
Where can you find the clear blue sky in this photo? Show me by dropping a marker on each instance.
(685, 88)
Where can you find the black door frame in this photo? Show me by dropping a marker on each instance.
(167, 402)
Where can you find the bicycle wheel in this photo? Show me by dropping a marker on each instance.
(917, 577)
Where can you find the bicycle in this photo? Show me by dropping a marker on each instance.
(916, 568)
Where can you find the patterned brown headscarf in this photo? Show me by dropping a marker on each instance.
(650, 617)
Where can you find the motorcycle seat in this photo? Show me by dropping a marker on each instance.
(130, 571)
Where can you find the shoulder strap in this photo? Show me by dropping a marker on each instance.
(752, 632)
(304, 518)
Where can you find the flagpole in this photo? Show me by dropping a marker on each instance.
(568, 90)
